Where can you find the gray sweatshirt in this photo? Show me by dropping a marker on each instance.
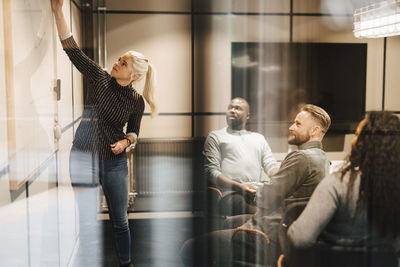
(240, 155)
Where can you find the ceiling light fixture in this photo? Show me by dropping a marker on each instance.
(377, 20)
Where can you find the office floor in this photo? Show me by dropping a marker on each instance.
(159, 226)
(155, 242)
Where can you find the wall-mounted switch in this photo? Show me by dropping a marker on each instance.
(57, 89)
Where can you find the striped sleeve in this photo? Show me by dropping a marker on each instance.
(136, 117)
(90, 69)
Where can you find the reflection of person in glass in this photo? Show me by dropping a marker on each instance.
(98, 149)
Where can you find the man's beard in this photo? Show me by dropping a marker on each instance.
(298, 140)
(235, 124)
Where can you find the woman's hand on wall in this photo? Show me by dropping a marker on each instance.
(62, 27)
(119, 147)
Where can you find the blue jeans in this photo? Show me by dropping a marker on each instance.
(86, 171)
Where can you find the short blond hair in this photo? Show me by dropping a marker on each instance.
(319, 115)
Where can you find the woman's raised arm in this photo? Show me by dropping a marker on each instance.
(83, 63)
(62, 27)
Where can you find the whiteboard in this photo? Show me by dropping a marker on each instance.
(3, 110)
(34, 66)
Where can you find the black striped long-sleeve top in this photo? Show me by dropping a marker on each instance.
(109, 106)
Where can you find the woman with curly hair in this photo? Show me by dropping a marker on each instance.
(358, 205)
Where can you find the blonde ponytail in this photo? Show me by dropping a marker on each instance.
(149, 88)
(142, 67)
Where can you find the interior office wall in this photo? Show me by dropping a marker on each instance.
(248, 6)
(165, 39)
(34, 105)
(210, 28)
(325, 29)
(150, 5)
(3, 116)
(392, 79)
(213, 37)
(38, 222)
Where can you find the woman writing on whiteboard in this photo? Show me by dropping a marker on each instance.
(97, 154)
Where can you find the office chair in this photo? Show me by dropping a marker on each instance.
(266, 248)
(327, 255)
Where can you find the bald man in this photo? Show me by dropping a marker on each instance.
(235, 158)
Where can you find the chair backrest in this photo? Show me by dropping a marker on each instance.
(292, 208)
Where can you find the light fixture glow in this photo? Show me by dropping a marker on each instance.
(378, 20)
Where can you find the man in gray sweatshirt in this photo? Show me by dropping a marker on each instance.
(235, 158)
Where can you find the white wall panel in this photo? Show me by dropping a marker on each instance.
(166, 127)
(316, 29)
(65, 145)
(64, 72)
(3, 102)
(66, 200)
(165, 40)
(5, 197)
(259, 28)
(14, 234)
(46, 178)
(256, 6)
(321, 29)
(373, 97)
(29, 227)
(325, 6)
(307, 6)
(392, 86)
(149, 5)
(67, 223)
(44, 227)
(34, 75)
(213, 38)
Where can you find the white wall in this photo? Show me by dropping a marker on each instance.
(167, 44)
(166, 39)
(34, 74)
(38, 222)
(4, 183)
(3, 100)
(392, 92)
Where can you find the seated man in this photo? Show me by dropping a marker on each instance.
(299, 174)
(353, 207)
(235, 158)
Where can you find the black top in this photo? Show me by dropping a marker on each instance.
(110, 106)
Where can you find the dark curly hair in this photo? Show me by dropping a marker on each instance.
(375, 155)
